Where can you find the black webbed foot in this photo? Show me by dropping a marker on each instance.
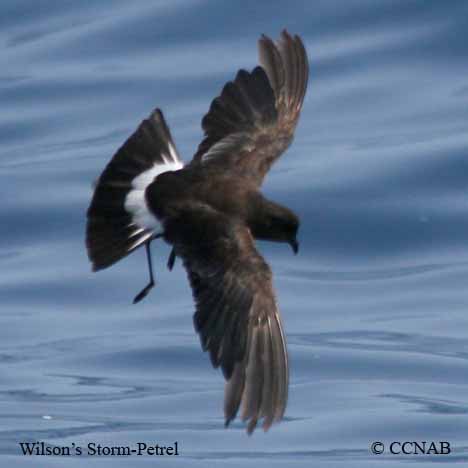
(143, 293)
(171, 260)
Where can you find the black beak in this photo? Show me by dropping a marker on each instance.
(294, 245)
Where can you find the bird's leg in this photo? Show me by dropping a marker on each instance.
(147, 288)
(171, 260)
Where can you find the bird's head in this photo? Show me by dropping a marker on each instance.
(285, 225)
(276, 223)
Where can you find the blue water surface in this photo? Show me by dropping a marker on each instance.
(375, 307)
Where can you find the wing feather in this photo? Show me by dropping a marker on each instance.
(253, 120)
(236, 314)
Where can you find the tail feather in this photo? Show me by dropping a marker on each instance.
(119, 219)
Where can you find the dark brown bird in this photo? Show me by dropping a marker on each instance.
(211, 211)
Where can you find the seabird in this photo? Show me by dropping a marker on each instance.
(211, 211)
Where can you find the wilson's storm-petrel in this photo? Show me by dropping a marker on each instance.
(211, 211)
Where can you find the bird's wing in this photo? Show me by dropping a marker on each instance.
(253, 120)
(236, 315)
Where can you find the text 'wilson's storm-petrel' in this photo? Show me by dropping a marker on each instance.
(211, 211)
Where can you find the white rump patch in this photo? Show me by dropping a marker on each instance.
(135, 202)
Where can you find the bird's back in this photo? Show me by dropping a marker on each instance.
(224, 192)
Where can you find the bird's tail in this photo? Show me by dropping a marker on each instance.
(119, 220)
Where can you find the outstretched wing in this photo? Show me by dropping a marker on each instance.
(253, 120)
(236, 315)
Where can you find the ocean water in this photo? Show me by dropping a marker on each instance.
(375, 306)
